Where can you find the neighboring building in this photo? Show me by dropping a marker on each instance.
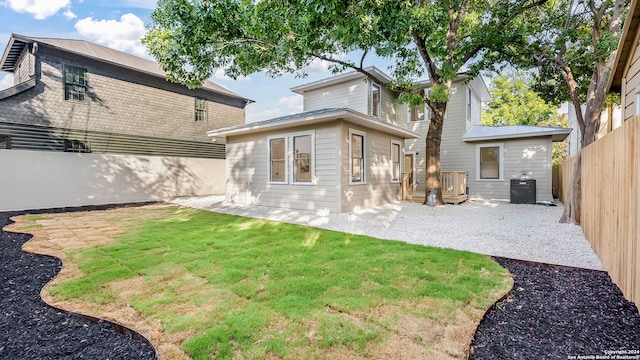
(335, 159)
(490, 156)
(625, 78)
(73, 95)
(610, 118)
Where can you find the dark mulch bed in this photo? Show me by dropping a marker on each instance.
(29, 329)
(558, 313)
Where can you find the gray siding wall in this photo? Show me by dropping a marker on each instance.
(378, 188)
(351, 94)
(119, 102)
(631, 84)
(248, 171)
(524, 158)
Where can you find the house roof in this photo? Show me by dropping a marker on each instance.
(315, 117)
(101, 53)
(626, 47)
(485, 95)
(487, 133)
(351, 75)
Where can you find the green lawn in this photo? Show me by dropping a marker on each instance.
(236, 287)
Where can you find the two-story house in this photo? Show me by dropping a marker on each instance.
(73, 95)
(85, 124)
(374, 139)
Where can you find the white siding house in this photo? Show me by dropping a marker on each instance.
(329, 159)
(525, 153)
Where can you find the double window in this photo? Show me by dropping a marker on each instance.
(357, 153)
(490, 162)
(292, 153)
(201, 109)
(75, 83)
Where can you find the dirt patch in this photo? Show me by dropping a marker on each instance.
(57, 233)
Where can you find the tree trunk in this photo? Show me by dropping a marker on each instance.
(433, 194)
(573, 203)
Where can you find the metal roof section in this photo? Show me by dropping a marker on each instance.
(315, 117)
(351, 75)
(488, 133)
(18, 42)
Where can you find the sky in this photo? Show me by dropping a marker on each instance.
(120, 24)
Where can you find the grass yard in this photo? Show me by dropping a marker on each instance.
(229, 287)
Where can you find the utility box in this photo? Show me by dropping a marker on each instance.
(523, 191)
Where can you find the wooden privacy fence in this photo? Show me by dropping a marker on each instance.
(611, 203)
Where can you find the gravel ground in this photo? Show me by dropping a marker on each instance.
(526, 232)
(558, 313)
(29, 329)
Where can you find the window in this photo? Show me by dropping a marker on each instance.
(395, 161)
(76, 146)
(278, 160)
(5, 142)
(420, 113)
(75, 83)
(291, 154)
(375, 100)
(490, 162)
(417, 113)
(469, 94)
(356, 155)
(201, 109)
(302, 158)
(638, 103)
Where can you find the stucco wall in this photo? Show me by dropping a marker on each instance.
(36, 179)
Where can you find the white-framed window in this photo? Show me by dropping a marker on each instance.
(638, 103)
(375, 100)
(302, 159)
(278, 160)
(75, 83)
(469, 97)
(396, 155)
(419, 113)
(490, 162)
(200, 109)
(357, 157)
(292, 158)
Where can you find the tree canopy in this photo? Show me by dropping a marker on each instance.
(514, 102)
(433, 39)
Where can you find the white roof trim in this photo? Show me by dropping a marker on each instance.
(489, 133)
(315, 117)
(352, 75)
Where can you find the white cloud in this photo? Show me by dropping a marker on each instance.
(6, 81)
(320, 66)
(219, 74)
(69, 14)
(40, 9)
(284, 106)
(140, 4)
(123, 35)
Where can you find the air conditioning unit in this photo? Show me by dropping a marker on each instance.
(523, 191)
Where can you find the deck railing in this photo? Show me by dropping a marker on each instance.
(453, 183)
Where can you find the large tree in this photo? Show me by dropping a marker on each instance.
(424, 38)
(514, 102)
(573, 45)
